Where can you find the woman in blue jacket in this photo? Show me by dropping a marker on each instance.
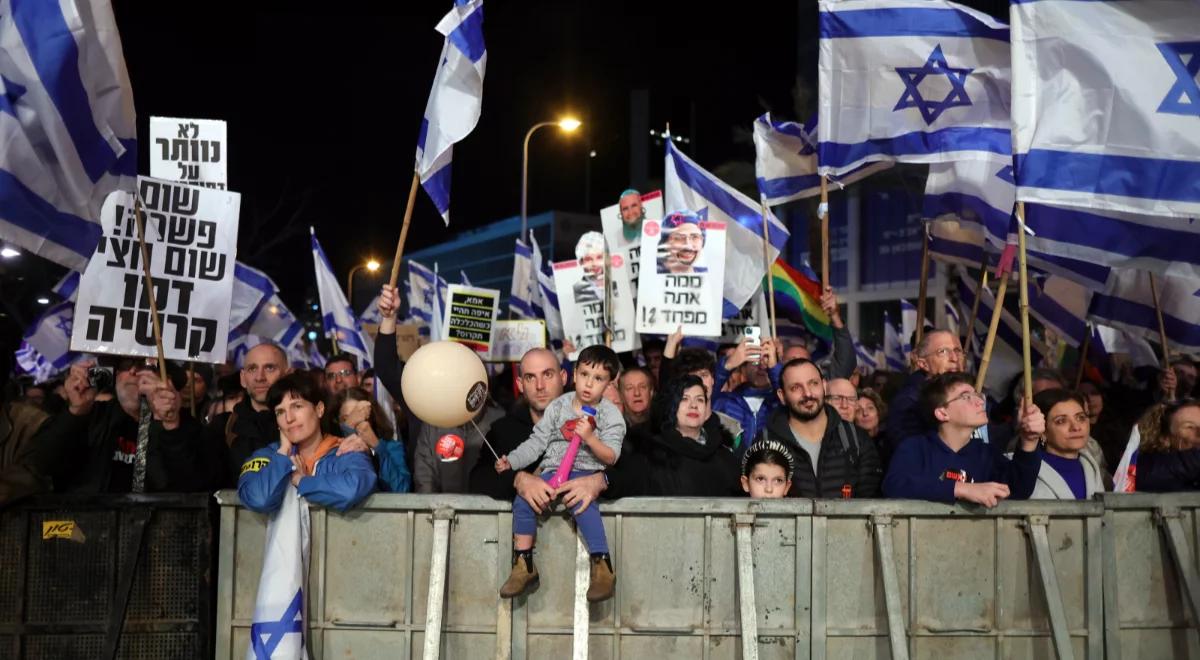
(304, 456)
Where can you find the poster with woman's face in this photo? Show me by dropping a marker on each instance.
(682, 275)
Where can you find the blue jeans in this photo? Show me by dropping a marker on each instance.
(589, 522)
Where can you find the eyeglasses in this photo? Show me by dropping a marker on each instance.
(835, 399)
(681, 238)
(253, 369)
(943, 352)
(970, 397)
(340, 373)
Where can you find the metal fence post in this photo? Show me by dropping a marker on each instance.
(437, 583)
(747, 610)
(882, 527)
(1036, 525)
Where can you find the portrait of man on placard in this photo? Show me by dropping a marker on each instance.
(632, 214)
(590, 253)
(681, 244)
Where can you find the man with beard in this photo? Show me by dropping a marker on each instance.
(590, 253)
(681, 243)
(542, 380)
(250, 426)
(834, 458)
(632, 215)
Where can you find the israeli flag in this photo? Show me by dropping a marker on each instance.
(371, 313)
(455, 100)
(908, 325)
(547, 305)
(251, 288)
(953, 321)
(280, 610)
(336, 315)
(1106, 105)
(426, 287)
(919, 81)
(1061, 305)
(689, 187)
(894, 355)
(68, 286)
(524, 283)
(45, 350)
(786, 161)
(1127, 304)
(67, 125)
(866, 358)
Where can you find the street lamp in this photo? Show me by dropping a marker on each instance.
(566, 125)
(371, 266)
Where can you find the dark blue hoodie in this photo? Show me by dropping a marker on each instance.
(919, 466)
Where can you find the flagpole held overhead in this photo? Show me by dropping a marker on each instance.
(767, 266)
(408, 209)
(993, 327)
(1162, 328)
(1024, 297)
(823, 213)
(924, 287)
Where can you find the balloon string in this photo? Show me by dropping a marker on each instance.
(485, 440)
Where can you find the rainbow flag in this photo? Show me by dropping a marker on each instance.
(798, 296)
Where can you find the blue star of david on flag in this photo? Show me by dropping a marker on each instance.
(9, 93)
(275, 631)
(1006, 174)
(1186, 86)
(935, 65)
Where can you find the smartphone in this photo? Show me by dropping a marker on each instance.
(753, 335)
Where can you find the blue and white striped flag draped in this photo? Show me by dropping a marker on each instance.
(68, 286)
(278, 629)
(270, 321)
(455, 100)
(786, 161)
(910, 80)
(689, 187)
(1060, 305)
(423, 283)
(371, 313)
(66, 122)
(524, 283)
(547, 298)
(1127, 305)
(894, 355)
(867, 359)
(1006, 361)
(45, 350)
(1106, 105)
(953, 321)
(908, 325)
(336, 316)
(251, 288)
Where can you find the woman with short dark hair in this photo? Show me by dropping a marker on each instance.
(1068, 472)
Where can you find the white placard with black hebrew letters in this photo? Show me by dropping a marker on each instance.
(581, 301)
(682, 275)
(622, 224)
(193, 151)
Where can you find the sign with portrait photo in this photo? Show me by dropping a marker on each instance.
(580, 284)
(622, 223)
(682, 275)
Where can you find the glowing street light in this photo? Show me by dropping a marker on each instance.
(566, 125)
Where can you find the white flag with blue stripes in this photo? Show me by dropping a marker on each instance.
(336, 316)
(270, 320)
(917, 81)
(280, 608)
(455, 100)
(251, 288)
(67, 125)
(1106, 104)
(785, 161)
(894, 355)
(1060, 305)
(1127, 305)
(524, 283)
(908, 325)
(547, 295)
(688, 187)
(68, 286)
(45, 350)
(953, 321)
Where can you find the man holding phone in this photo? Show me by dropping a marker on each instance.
(757, 360)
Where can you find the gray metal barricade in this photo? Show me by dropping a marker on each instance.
(802, 579)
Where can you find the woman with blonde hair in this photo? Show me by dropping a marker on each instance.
(1169, 455)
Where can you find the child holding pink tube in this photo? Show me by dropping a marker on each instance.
(600, 437)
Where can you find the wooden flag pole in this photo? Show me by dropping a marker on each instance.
(823, 212)
(993, 326)
(923, 287)
(767, 263)
(1083, 351)
(1162, 328)
(969, 341)
(408, 209)
(148, 287)
(1026, 353)
(608, 335)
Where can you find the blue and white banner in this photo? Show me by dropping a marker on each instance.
(1106, 104)
(67, 125)
(1128, 305)
(919, 81)
(45, 350)
(455, 100)
(280, 610)
(1060, 305)
(251, 288)
(894, 355)
(688, 187)
(953, 320)
(786, 161)
(336, 316)
(547, 294)
(524, 283)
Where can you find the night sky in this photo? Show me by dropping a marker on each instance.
(323, 109)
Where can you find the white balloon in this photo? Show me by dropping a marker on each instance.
(444, 384)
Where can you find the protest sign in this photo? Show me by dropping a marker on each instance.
(682, 275)
(622, 223)
(580, 286)
(515, 338)
(193, 151)
(470, 317)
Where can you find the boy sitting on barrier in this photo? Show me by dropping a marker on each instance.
(601, 431)
(767, 468)
(948, 465)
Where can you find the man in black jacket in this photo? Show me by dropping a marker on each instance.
(250, 426)
(91, 446)
(834, 458)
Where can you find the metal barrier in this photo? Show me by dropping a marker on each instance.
(105, 577)
(409, 576)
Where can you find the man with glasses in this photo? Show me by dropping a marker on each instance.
(341, 373)
(950, 463)
(939, 352)
(682, 242)
(843, 396)
(250, 426)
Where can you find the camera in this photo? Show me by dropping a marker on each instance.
(100, 378)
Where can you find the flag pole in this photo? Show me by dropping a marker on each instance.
(1087, 342)
(767, 264)
(823, 212)
(924, 287)
(983, 282)
(1024, 298)
(1162, 328)
(144, 413)
(993, 326)
(608, 335)
(408, 209)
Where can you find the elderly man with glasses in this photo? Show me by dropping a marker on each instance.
(341, 373)
(939, 352)
(250, 426)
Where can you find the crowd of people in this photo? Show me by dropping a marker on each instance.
(758, 420)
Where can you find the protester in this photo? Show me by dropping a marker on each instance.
(1043, 380)
(1068, 472)
(341, 371)
(939, 352)
(364, 427)
(251, 426)
(637, 391)
(20, 476)
(1169, 455)
(698, 362)
(767, 469)
(833, 458)
(304, 456)
(841, 394)
(950, 463)
(870, 412)
(602, 435)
